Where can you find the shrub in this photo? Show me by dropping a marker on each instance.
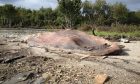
(85, 27)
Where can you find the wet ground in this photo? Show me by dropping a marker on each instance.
(21, 64)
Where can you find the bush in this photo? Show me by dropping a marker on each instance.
(85, 27)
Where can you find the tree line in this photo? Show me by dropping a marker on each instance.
(69, 13)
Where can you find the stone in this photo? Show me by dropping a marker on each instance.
(46, 76)
(23, 45)
(124, 40)
(40, 81)
(37, 51)
(1, 82)
(101, 78)
(20, 77)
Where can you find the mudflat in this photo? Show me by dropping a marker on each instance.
(21, 64)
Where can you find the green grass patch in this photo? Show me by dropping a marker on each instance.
(107, 33)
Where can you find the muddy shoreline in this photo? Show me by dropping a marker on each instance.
(19, 66)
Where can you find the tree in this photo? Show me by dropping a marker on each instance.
(60, 19)
(9, 13)
(120, 12)
(1, 15)
(71, 10)
(25, 17)
(102, 12)
(88, 12)
(69, 13)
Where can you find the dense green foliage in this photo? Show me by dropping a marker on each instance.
(70, 10)
(69, 13)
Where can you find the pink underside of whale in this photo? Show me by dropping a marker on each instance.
(74, 39)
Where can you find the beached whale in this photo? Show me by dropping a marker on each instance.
(74, 40)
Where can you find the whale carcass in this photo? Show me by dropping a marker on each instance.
(74, 40)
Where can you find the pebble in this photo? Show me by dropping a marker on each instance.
(101, 78)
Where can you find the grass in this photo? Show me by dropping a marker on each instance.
(115, 30)
(108, 33)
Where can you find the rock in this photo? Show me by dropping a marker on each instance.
(11, 59)
(3, 43)
(23, 45)
(1, 82)
(104, 57)
(69, 52)
(46, 76)
(23, 39)
(13, 47)
(40, 81)
(37, 51)
(20, 77)
(101, 78)
(121, 46)
(43, 79)
(124, 40)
